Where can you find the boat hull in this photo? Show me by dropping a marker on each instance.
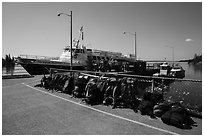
(34, 67)
(178, 74)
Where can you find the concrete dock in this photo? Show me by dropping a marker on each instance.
(29, 110)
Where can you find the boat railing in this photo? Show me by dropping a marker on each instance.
(38, 57)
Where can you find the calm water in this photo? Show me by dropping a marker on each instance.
(192, 71)
(187, 91)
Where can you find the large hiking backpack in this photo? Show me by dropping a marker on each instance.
(93, 94)
(55, 81)
(147, 104)
(59, 84)
(45, 81)
(157, 97)
(177, 116)
(77, 92)
(154, 97)
(146, 107)
(69, 85)
(108, 94)
(101, 85)
(117, 98)
(79, 89)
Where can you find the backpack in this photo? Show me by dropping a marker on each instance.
(46, 82)
(78, 92)
(79, 89)
(91, 85)
(60, 83)
(101, 85)
(154, 97)
(146, 107)
(93, 94)
(177, 116)
(69, 85)
(160, 109)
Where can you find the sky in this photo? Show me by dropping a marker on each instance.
(34, 28)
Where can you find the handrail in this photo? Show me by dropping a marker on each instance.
(37, 57)
(127, 75)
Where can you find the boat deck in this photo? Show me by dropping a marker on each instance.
(32, 110)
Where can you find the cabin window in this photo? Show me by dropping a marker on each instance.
(79, 51)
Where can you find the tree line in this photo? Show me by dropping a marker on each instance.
(196, 59)
(8, 61)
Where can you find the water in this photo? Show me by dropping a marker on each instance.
(192, 71)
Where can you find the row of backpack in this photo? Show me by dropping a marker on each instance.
(119, 93)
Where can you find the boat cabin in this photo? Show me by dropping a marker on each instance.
(165, 69)
(138, 67)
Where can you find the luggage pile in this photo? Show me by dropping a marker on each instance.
(119, 93)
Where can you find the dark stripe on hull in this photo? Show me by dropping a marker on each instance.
(39, 69)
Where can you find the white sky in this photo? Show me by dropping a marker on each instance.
(35, 28)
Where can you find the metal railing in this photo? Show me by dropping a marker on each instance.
(39, 57)
(186, 91)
